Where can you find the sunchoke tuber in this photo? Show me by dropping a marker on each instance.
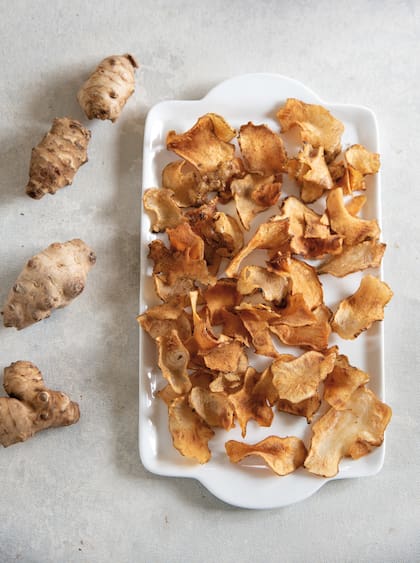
(108, 88)
(31, 406)
(50, 280)
(57, 158)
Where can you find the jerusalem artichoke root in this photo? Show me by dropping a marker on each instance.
(50, 280)
(31, 406)
(57, 158)
(108, 88)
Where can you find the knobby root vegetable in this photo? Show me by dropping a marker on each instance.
(108, 88)
(31, 406)
(57, 158)
(50, 280)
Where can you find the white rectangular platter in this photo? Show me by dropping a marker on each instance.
(253, 97)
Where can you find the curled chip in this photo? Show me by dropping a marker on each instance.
(234, 327)
(306, 408)
(221, 297)
(352, 229)
(204, 339)
(282, 455)
(213, 408)
(164, 211)
(367, 254)
(304, 279)
(224, 357)
(273, 285)
(355, 204)
(316, 124)
(183, 180)
(309, 236)
(342, 382)
(254, 194)
(295, 312)
(167, 394)
(257, 320)
(173, 361)
(161, 320)
(190, 434)
(360, 163)
(311, 172)
(183, 238)
(299, 379)
(229, 235)
(250, 405)
(227, 383)
(206, 147)
(262, 150)
(272, 235)
(315, 335)
(352, 431)
(359, 311)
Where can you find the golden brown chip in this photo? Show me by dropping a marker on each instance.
(355, 204)
(173, 361)
(234, 327)
(220, 297)
(182, 178)
(190, 434)
(304, 279)
(203, 338)
(262, 149)
(360, 163)
(227, 383)
(309, 236)
(272, 235)
(224, 357)
(162, 319)
(201, 378)
(313, 336)
(183, 239)
(342, 382)
(164, 212)
(229, 236)
(254, 194)
(213, 408)
(201, 145)
(352, 229)
(167, 394)
(311, 172)
(282, 455)
(171, 265)
(204, 146)
(359, 311)
(299, 379)
(265, 387)
(167, 292)
(274, 285)
(367, 254)
(249, 405)
(295, 312)
(316, 124)
(353, 431)
(306, 408)
(257, 319)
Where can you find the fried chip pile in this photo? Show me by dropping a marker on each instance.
(231, 287)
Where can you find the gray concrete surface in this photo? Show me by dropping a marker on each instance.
(81, 493)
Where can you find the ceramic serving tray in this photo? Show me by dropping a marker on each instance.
(252, 97)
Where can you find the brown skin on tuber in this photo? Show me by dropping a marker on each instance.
(57, 158)
(108, 88)
(31, 406)
(50, 280)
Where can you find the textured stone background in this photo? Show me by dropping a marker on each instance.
(81, 494)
